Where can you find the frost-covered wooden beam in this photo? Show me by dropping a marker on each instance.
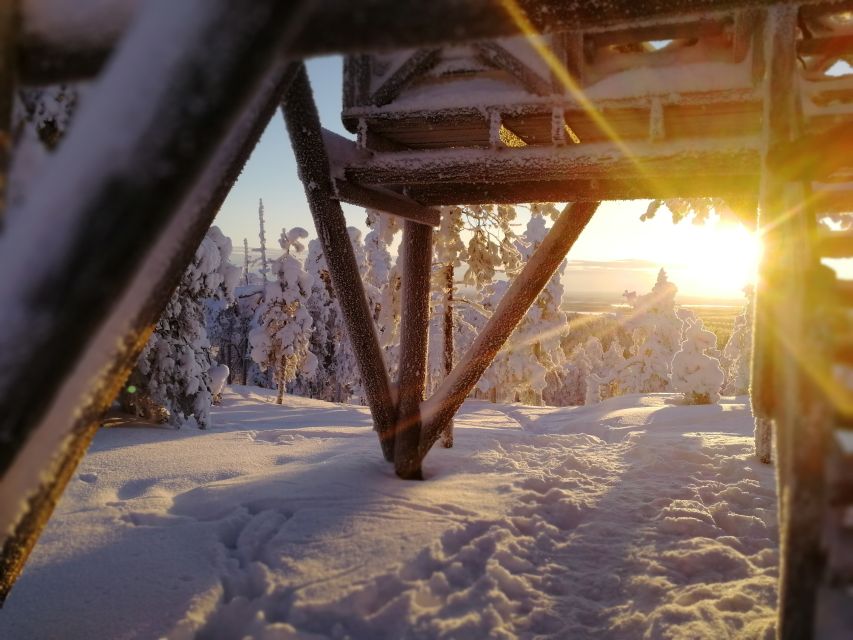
(72, 328)
(495, 54)
(387, 202)
(734, 187)
(306, 136)
(416, 64)
(705, 157)
(416, 257)
(439, 409)
(59, 45)
(341, 151)
(8, 71)
(790, 362)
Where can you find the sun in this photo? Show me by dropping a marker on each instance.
(716, 259)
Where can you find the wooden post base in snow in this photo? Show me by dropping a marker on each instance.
(764, 439)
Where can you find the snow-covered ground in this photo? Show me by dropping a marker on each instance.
(629, 519)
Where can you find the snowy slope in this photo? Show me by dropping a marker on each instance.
(632, 518)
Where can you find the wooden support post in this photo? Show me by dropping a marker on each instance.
(8, 71)
(303, 125)
(445, 402)
(787, 356)
(130, 219)
(416, 256)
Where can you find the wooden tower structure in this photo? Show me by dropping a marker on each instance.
(483, 101)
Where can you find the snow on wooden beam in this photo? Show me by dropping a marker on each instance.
(8, 71)
(56, 48)
(122, 222)
(416, 258)
(340, 151)
(306, 136)
(738, 187)
(388, 202)
(495, 54)
(418, 63)
(632, 160)
(438, 410)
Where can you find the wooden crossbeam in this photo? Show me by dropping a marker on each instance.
(387, 201)
(129, 229)
(416, 64)
(340, 151)
(735, 187)
(306, 136)
(497, 55)
(634, 160)
(74, 51)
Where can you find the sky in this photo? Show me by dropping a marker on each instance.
(616, 252)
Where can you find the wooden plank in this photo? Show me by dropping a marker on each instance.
(733, 187)
(127, 239)
(438, 410)
(416, 257)
(634, 160)
(418, 63)
(306, 136)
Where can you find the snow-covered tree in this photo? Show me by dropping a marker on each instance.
(280, 339)
(382, 283)
(738, 350)
(695, 374)
(262, 236)
(337, 378)
(656, 334)
(171, 380)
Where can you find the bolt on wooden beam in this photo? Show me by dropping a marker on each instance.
(306, 136)
(438, 410)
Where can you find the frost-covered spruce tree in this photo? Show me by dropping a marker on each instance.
(656, 333)
(337, 378)
(171, 380)
(738, 350)
(382, 283)
(280, 339)
(695, 374)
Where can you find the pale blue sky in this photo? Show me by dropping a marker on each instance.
(699, 260)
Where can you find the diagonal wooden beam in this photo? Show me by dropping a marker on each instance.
(497, 55)
(124, 221)
(438, 410)
(306, 136)
(419, 62)
(416, 257)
